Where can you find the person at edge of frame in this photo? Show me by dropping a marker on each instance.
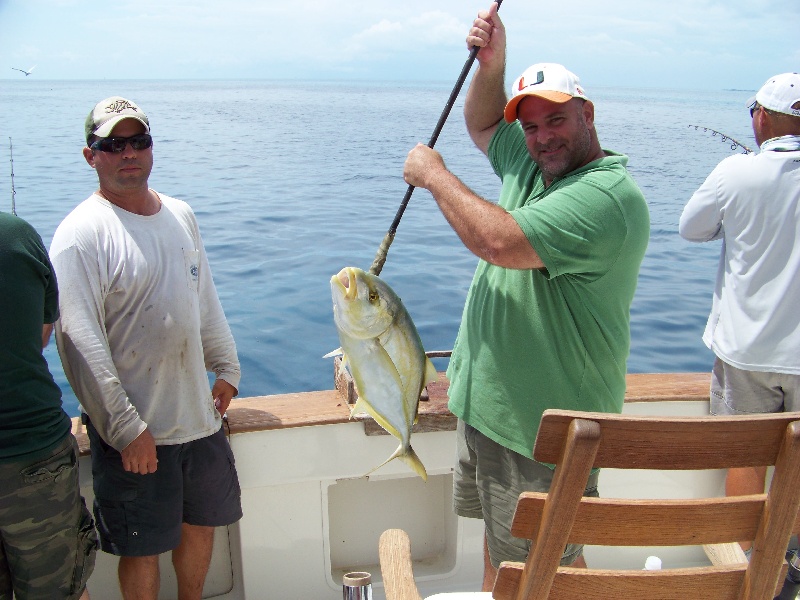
(752, 203)
(47, 536)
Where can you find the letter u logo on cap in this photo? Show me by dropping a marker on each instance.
(539, 79)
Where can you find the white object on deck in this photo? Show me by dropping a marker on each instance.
(653, 563)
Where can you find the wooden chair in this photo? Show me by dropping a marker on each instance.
(577, 442)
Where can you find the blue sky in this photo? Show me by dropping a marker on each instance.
(695, 44)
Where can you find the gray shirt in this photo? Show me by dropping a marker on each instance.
(141, 322)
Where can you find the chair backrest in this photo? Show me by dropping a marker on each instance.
(577, 442)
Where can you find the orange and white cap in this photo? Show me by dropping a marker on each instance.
(550, 81)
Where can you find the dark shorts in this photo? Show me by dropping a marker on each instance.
(48, 537)
(487, 482)
(141, 515)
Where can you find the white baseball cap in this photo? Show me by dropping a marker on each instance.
(780, 93)
(550, 81)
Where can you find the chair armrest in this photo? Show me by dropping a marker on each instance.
(394, 551)
(721, 555)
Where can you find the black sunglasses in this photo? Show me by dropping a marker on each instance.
(754, 108)
(140, 141)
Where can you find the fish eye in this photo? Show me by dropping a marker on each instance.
(373, 296)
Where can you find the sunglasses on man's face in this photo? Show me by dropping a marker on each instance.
(754, 108)
(141, 141)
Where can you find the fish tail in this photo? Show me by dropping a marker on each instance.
(408, 456)
(412, 460)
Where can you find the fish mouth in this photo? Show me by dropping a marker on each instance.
(346, 280)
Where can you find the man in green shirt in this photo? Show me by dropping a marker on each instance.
(47, 537)
(547, 319)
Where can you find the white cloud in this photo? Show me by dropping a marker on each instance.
(707, 42)
(423, 32)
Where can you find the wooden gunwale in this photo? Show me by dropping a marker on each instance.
(303, 409)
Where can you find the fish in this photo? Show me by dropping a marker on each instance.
(383, 352)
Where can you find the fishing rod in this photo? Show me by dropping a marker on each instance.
(380, 256)
(13, 191)
(725, 138)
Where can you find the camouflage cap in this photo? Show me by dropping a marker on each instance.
(107, 113)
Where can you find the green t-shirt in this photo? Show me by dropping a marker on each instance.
(32, 420)
(557, 338)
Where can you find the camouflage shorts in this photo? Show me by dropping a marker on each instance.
(48, 537)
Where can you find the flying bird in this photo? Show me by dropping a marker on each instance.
(28, 72)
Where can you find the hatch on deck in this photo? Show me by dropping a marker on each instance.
(359, 510)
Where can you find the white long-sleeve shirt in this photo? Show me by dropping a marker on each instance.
(141, 322)
(752, 203)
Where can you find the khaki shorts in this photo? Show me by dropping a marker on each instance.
(487, 482)
(48, 538)
(738, 392)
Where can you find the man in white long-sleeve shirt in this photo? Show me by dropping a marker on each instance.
(141, 324)
(752, 203)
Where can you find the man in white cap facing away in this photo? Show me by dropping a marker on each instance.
(140, 321)
(752, 203)
(547, 318)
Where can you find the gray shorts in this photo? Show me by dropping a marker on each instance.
(487, 482)
(142, 515)
(48, 538)
(738, 392)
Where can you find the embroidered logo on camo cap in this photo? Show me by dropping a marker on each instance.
(107, 113)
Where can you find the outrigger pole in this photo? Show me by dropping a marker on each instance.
(380, 257)
(13, 191)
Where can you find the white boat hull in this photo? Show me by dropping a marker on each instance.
(310, 516)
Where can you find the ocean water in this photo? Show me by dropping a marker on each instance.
(291, 181)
